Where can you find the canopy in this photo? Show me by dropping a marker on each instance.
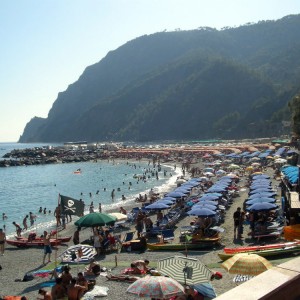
(95, 219)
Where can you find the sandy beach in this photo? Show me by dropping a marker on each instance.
(16, 262)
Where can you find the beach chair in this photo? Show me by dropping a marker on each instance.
(166, 235)
(127, 239)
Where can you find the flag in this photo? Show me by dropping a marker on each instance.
(71, 206)
(188, 237)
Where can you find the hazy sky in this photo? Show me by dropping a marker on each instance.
(47, 44)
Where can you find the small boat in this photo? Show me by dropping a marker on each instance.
(265, 253)
(25, 243)
(205, 243)
(63, 239)
(259, 248)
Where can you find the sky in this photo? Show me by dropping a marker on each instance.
(47, 44)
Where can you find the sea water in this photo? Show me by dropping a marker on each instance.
(25, 189)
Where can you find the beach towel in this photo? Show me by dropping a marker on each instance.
(98, 291)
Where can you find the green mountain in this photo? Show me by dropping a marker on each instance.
(198, 84)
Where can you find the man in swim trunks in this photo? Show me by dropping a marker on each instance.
(2, 241)
(47, 246)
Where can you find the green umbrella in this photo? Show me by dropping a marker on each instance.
(95, 219)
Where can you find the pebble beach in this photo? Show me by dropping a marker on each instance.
(16, 262)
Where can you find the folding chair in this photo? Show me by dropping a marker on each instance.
(127, 238)
(166, 235)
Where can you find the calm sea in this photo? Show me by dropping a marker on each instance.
(27, 188)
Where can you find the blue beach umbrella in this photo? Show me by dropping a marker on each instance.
(260, 195)
(261, 176)
(265, 206)
(157, 206)
(202, 212)
(261, 190)
(214, 203)
(169, 198)
(167, 202)
(260, 200)
(215, 194)
(176, 194)
(204, 205)
(208, 197)
(216, 189)
(182, 190)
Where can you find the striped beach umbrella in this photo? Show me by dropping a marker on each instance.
(246, 264)
(185, 270)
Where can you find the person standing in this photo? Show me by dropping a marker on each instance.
(25, 222)
(47, 246)
(57, 215)
(236, 219)
(2, 241)
(32, 218)
(76, 236)
(18, 229)
(113, 194)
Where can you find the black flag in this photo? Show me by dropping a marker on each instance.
(71, 206)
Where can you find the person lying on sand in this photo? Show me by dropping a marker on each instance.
(122, 278)
(93, 268)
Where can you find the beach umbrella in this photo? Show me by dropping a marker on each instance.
(205, 289)
(215, 203)
(260, 200)
(158, 287)
(209, 174)
(208, 197)
(261, 190)
(264, 206)
(204, 205)
(255, 159)
(202, 212)
(203, 178)
(215, 194)
(220, 172)
(169, 198)
(157, 206)
(262, 194)
(176, 194)
(246, 264)
(210, 170)
(167, 202)
(182, 190)
(232, 175)
(184, 269)
(255, 164)
(260, 175)
(119, 216)
(233, 167)
(217, 189)
(95, 219)
(71, 255)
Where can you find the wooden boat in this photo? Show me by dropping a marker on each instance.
(204, 243)
(63, 239)
(265, 253)
(259, 248)
(34, 243)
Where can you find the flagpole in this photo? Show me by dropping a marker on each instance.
(56, 235)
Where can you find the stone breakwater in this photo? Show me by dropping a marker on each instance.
(53, 155)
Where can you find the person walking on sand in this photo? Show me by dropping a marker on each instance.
(2, 241)
(236, 219)
(47, 246)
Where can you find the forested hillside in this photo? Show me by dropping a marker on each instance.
(204, 83)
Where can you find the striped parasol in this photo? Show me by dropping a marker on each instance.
(184, 270)
(246, 264)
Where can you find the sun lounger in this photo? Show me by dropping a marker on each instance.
(166, 235)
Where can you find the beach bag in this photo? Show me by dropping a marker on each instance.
(28, 277)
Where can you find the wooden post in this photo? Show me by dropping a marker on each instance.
(116, 260)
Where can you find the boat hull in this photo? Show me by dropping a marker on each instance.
(259, 248)
(63, 239)
(25, 243)
(179, 247)
(264, 253)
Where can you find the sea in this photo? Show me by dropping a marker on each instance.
(25, 189)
